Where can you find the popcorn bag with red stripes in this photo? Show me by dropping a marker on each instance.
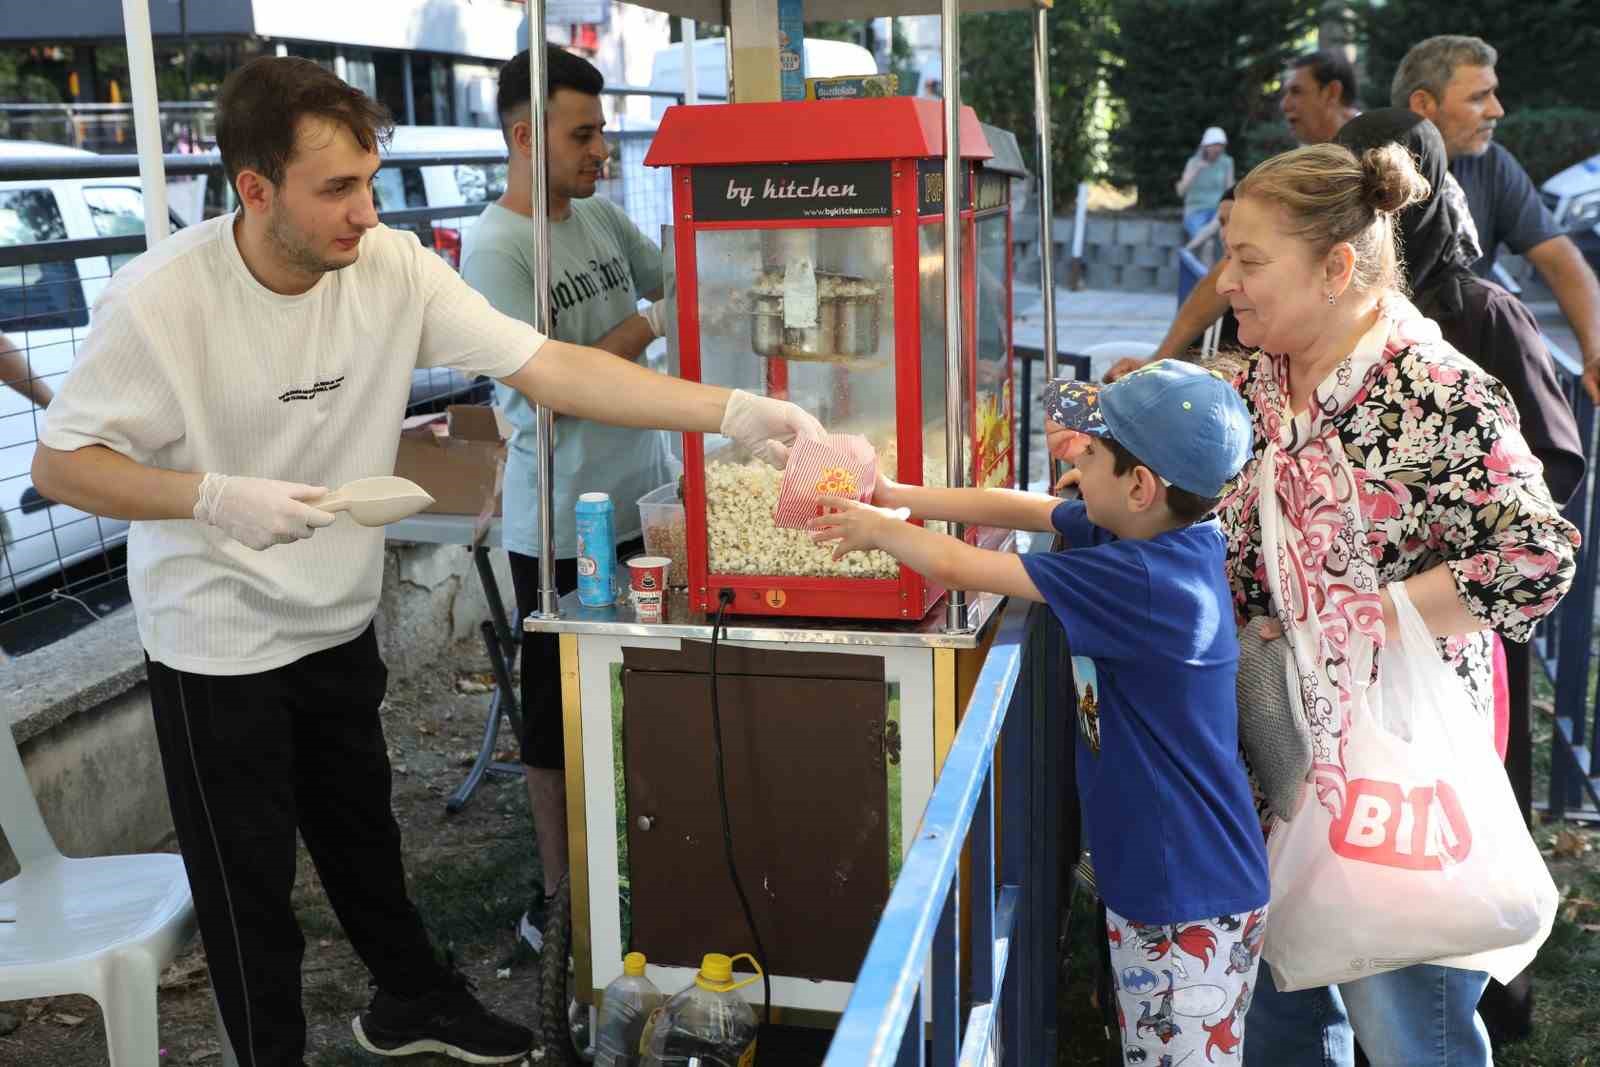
(838, 465)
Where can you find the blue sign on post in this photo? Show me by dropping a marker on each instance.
(791, 50)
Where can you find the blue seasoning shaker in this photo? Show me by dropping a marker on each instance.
(597, 551)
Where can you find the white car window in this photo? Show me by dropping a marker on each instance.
(118, 211)
(480, 182)
(37, 296)
(398, 187)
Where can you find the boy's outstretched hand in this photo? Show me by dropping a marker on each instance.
(886, 492)
(851, 526)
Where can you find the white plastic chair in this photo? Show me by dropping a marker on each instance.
(103, 928)
(1104, 355)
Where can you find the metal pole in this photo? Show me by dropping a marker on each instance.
(188, 50)
(691, 83)
(727, 48)
(544, 438)
(146, 117)
(954, 333)
(1047, 267)
(410, 89)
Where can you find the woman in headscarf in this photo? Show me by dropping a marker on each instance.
(1494, 329)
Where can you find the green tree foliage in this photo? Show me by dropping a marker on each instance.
(1175, 67)
(1547, 49)
(997, 81)
(1548, 140)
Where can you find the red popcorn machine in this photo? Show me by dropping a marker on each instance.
(809, 264)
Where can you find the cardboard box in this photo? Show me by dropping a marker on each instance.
(459, 458)
(852, 87)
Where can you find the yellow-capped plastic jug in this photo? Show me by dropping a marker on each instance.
(709, 1023)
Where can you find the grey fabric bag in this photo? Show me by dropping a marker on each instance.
(1275, 736)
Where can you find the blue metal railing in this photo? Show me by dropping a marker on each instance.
(1564, 645)
(1014, 906)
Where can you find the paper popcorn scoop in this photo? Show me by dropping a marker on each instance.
(838, 465)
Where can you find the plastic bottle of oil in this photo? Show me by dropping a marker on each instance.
(708, 1024)
(625, 1007)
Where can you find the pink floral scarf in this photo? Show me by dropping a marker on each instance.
(1323, 579)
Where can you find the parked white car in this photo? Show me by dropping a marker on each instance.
(1573, 197)
(44, 310)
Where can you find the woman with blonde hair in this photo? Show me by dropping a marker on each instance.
(1392, 458)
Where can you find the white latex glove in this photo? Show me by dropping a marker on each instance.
(766, 426)
(259, 512)
(659, 316)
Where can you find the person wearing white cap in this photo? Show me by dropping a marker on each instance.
(1206, 176)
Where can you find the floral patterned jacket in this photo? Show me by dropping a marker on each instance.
(1445, 476)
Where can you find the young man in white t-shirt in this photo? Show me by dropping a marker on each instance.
(234, 372)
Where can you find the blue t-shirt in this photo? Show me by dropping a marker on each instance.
(1504, 203)
(1171, 823)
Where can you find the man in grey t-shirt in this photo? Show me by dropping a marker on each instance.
(1450, 80)
(600, 268)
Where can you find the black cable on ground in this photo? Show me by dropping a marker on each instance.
(724, 598)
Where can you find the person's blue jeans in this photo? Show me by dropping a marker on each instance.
(1422, 1016)
(1195, 221)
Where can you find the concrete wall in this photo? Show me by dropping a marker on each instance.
(1131, 253)
(97, 776)
(79, 710)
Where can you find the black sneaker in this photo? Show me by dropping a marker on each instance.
(448, 1021)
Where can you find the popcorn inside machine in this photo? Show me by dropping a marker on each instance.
(810, 266)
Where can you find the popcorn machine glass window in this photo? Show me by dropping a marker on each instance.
(757, 291)
(810, 266)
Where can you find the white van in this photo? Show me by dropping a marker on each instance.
(823, 59)
(396, 188)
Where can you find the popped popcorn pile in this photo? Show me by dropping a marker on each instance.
(740, 501)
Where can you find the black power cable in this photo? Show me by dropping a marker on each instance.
(724, 598)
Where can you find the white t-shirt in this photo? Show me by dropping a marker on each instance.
(193, 365)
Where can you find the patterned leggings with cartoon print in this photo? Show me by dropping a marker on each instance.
(1183, 988)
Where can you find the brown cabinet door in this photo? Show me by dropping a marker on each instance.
(807, 802)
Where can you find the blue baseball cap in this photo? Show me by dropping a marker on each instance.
(1187, 424)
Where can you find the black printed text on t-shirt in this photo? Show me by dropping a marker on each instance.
(574, 289)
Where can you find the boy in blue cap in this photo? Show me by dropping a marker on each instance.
(1142, 594)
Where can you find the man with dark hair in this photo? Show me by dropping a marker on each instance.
(1319, 97)
(277, 345)
(600, 267)
(1450, 80)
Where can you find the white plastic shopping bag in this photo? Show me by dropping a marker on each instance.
(1427, 859)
